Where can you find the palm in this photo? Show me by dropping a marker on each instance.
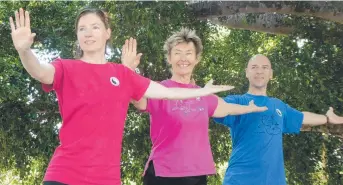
(129, 56)
(21, 30)
(333, 118)
(217, 88)
(22, 38)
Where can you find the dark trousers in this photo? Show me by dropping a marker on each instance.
(53, 183)
(151, 179)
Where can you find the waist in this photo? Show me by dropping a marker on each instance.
(175, 164)
(83, 174)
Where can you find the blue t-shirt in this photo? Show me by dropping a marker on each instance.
(257, 154)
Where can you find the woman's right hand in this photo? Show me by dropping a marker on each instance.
(129, 56)
(21, 31)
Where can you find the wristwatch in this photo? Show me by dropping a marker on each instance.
(137, 70)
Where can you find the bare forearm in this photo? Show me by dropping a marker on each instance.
(158, 91)
(30, 63)
(141, 104)
(37, 70)
(225, 109)
(235, 109)
(312, 119)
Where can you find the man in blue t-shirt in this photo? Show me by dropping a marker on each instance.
(257, 154)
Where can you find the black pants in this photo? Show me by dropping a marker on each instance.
(151, 179)
(52, 183)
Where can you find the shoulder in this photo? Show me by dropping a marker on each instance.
(277, 101)
(236, 97)
(166, 83)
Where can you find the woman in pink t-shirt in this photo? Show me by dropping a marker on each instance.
(181, 152)
(93, 97)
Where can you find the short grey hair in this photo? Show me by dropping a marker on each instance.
(184, 35)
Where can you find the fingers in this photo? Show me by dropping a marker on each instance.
(126, 46)
(130, 45)
(226, 87)
(210, 83)
(33, 35)
(21, 17)
(231, 87)
(16, 14)
(134, 46)
(27, 19)
(123, 51)
(12, 24)
(139, 56)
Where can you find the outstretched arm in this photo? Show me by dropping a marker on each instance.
(158, 91)
(22, 40)
(312, 119)
(223, 109)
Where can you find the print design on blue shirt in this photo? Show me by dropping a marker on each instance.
(269, 123)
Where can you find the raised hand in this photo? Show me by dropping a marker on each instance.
(333, 118)
(21, 30)
(129, 56)
(217, 88)
(255, 108)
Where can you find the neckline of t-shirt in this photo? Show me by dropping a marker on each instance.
(92, 64)
(253, 95)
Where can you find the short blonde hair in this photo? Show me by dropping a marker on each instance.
(184, 35)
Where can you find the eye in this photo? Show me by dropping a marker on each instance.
(81, 29)
(96, 27)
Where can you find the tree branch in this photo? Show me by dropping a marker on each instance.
(331, 11)
(269, 23)
(335, 130)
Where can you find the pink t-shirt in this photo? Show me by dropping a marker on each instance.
(179, 134)
(93, 100)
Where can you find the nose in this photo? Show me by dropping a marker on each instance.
(259, 70)
(183, 57)
(88, 32)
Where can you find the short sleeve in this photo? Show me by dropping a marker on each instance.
(292, 120)
(58, 76)
(137, 84)
(212, 103)
(229, 119)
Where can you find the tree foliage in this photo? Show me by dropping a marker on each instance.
(307, 75)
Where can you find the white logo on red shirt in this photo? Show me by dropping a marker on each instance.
(114, 81)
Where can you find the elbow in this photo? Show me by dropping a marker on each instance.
(41, 77)
(169, 94)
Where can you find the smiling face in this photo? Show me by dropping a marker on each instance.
(183, 50)
(259, 71)
(183, 58)
(92, 32)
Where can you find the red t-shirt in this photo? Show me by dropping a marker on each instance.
(93, 101)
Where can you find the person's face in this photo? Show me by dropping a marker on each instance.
(92, 33)
(259, 72)
(183, 58)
